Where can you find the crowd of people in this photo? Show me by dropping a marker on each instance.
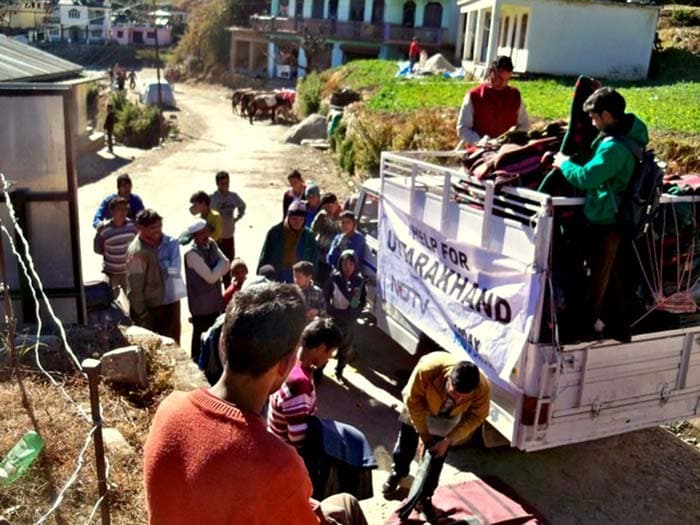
(316, 245)
(276, 331)
(275, 334)
(118, 75)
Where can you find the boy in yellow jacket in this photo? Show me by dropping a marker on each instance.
(446, 401)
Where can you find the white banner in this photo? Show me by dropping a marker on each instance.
(461, 295)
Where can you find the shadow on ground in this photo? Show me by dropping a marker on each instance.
(95, 166)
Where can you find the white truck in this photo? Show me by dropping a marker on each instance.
(471, 276)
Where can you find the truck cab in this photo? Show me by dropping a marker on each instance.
(548, 394)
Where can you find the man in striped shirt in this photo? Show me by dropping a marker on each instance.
(112, 241)
(295, 401)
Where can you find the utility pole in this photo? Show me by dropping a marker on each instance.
(155, 27)
(160, 94)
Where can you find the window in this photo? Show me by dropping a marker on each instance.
(120, 34)
(137, 37)
(433, 15)
(378, 12)
(523, 31)
(357, 10)
(74, 13)
(317, 9)
(515, 27)
(409, 14)
(504, 34)
(368, 219)
(96, 33)
(151, 35)
(283, 9)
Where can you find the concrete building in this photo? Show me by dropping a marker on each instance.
(140, 34)
(348, 29)
(25, 15)
(43, 101)
(607, 39)
(80, 21)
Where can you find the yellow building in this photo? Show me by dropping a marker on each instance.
(25, 15)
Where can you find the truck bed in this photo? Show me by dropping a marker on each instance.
(557, 393)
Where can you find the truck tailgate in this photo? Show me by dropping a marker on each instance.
(609, 388)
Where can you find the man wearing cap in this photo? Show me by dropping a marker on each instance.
(493, 107)
(134, 202)
(288, 243)
(446, 400)
(326, 226)
(313, 203)
(205, 265)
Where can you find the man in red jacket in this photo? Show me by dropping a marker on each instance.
(413, 53)
(493, 107)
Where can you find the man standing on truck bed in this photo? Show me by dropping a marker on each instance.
(446, 401)
(493, 107)
(605, 177)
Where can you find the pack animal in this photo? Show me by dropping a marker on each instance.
(266, 104)
(237, 100)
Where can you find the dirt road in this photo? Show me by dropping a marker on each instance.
(643, 477)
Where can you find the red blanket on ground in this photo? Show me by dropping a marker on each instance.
(474, 502)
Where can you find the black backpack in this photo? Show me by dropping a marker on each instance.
(640, 201)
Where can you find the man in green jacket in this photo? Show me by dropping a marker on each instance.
(289, 242)
(605, 177)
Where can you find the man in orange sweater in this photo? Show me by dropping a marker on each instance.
(208, 458)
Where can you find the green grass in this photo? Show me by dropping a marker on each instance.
(665, 107)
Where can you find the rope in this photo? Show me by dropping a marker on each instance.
(32, 268)
(37, 307)
(71, 480)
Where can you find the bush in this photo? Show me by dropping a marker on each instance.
(371, 135)
(138, 126)
(338, 136)
(346, 155)
(118, 100)
(309, 91)
(685, 17)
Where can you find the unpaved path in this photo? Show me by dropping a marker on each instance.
(643, 477)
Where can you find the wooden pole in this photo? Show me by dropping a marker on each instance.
(92, 368)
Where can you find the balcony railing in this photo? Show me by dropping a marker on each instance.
(359, 31)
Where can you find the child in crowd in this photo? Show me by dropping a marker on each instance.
(313, 203)
(346, 297)
(326, 226)
(296, 190)
(295, 402)
(201, 205)
(239, 273)
(315, 301)
(348, 239)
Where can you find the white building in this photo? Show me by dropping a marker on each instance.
(80, 21)
(351, 29)
(599, 38)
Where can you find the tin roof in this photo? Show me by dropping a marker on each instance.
(23, 63)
